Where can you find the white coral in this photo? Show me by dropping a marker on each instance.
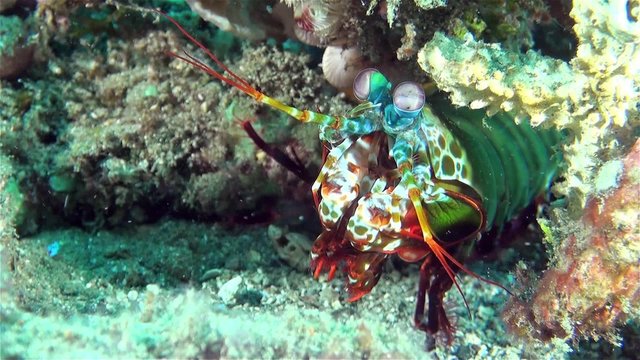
(596, 92)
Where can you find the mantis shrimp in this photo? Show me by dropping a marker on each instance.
(410, 178)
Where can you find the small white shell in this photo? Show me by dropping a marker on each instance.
(294, 248)
(341, 65)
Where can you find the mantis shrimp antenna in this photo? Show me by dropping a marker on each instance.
(241, 84)
(235, 80)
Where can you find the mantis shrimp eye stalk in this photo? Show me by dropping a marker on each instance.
(370, 85)
(408, 99)
(361, 84)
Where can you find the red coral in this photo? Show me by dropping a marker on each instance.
(595, 284)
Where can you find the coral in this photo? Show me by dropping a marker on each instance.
(594, 283)
(480, 75)
(590, 287)
(593, 94)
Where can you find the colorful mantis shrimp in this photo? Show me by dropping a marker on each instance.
(412, 179)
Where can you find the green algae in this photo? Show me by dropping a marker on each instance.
(11, 34)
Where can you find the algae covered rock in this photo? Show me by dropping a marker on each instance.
(16, 53)
(593, 286)
(121, 133)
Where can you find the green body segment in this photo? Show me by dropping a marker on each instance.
(508, 164)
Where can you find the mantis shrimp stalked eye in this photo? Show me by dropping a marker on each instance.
(363, 86)
(401, 115)
(418, 179)
(408, 99)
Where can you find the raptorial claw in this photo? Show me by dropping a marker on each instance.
(364, 271)
(319, 264)
(327, 253)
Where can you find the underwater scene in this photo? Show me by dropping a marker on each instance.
(302, 179)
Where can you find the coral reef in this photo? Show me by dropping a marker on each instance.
(103, 130)
(595, 283)
(591, 286)
(592, 95)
